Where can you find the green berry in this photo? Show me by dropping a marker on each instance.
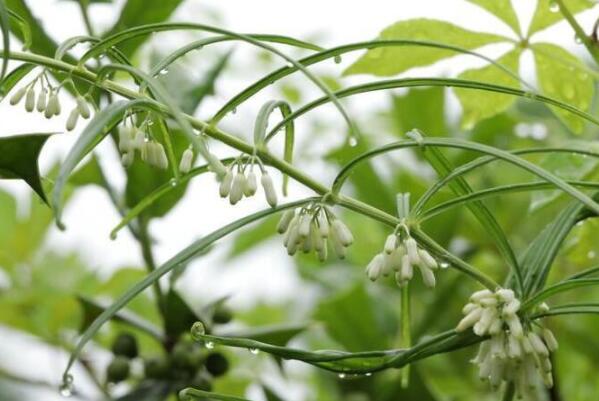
(118, 369)
(217, 364)
(156, 368)
(222, 315)
(125, 345)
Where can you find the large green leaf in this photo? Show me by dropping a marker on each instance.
(14, 77)
(561, 75)
(392, 61)
(19, 159)
(479, 105)
(139, 12)
(502, 9)
(548, 14)
(41, 42)
(350, 318)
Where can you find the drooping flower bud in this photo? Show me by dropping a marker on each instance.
(17, 96)
(186, 161)
(342, 233)
(269, 189)
(30, 100)
(72, 120)
(375, 267)
(82, 107)
(251, 184)
(127, 158)
(285, 220)
(41, 100)
(225, 184)
(237, 188)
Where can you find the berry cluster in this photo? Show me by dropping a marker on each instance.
(311, 227)
(513, 353)
(400, 254)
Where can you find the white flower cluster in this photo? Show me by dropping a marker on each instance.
(47, 101)
(513, 353)
(311, 228)
(132, 138)
(243, 182)
(400, 254)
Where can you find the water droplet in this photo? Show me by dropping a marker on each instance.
(368, 374)
(337, 59)
(577, 39)
(289, 64)
(198, 330)
(353, 141)
(66, 388)
(209, 345)
(164, 71)
(151, 122)
(553, 6)
(173, 182)
(591, 255)
(443, 265)
(234, 110)
(342, 375)
(101, 56)
(254, 351)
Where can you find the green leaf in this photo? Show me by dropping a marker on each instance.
(178, 316)
(14, 77)
(545, 15)
(502, 9)
(350, 318)
(392, 61)
(89, 174)
(19, 159)
(137, 12)
(420, 108)
(41, 43)
(561, 75)
(4, 26)
(479, 105)
(568, 166)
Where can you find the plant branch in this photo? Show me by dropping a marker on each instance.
(579, 31)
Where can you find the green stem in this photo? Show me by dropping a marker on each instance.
(406, 335)
(580, 33)
(244, 147)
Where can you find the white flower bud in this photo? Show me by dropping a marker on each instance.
(515, 326)
(291, 231)
(543, 307)
(269, 189)
(396, 258)
(514, 350)
(72, 120)
(511, 307)
(407, 271)
(497, 346)
(186, 161)
(483, 352)
(225, 184)
(537, 344)
(125, 140)
(478, 295)
(17, 96)
(139, 139)
(469, 320)
(526, 345)
(375, 267)
(496, 374)
(469, 307)
(545, 364)
(30, 100)
(54, 104)
(342, 233)
(487, 317)
(317, 240)
(145, 151)
(506, 295)
(161, 159)
(251, 184)
(285, 220)
(82, 107)
(387, 265)
(548, 380)
(412, 248)
(338, 247)
(550, 340)
(237, 188)
(391, 243)
(304, 225)
(427, 259)
(128, 158)
(496, 326)
(307, 244)
(489, 301)
(41, 101)
(293, 240)
(428, 277)
(323, 224)
(322, 253)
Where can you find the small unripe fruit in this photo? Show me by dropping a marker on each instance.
(117, 370)
(217, 364)
(222, 315)
(125, 345)
(156, 368)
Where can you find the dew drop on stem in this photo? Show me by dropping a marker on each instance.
(553, 6)
(209, 345)
(353, 142)
(254, 351)
(337, 59)
(342, 375)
